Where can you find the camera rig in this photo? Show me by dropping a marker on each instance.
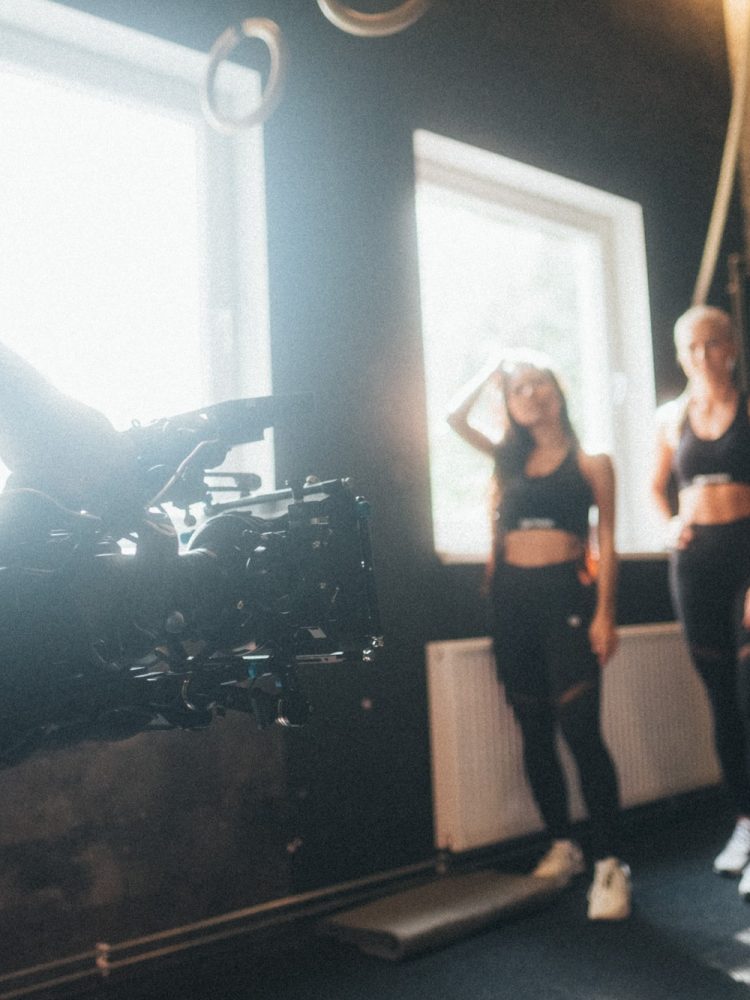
(112, 622)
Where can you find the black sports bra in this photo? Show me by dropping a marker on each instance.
(723, 460)
(562, 500)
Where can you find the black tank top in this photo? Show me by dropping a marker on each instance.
(725, 460)
(560, 500)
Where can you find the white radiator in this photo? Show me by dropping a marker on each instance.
(655, 719)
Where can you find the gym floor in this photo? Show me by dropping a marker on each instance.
(688, 938)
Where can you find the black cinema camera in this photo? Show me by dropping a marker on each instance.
(111, 623)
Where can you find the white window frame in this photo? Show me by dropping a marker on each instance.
(78, 49)
(624, 401)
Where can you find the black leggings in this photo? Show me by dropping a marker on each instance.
(552, 682)
(709, 580)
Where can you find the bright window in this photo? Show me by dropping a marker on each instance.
(512, 256)
(132, 246)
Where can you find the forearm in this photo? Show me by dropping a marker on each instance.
(462, 405)
(606, 599)
(661, 476)
(662, 503)
(464, 400)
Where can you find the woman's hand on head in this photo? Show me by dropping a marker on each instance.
(490, 371)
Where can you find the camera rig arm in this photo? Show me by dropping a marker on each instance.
(109, 627)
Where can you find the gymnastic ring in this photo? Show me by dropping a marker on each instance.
(390, 22)
(252, 27)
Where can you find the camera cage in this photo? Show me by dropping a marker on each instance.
(109, 627)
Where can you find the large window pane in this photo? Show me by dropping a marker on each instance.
(132, 250)
(101, 248)
(512, 257)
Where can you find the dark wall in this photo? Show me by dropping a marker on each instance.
(627, 95)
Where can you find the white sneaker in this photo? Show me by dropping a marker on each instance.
(610, 892)
(562, 862)
(744, 887)
(736, 854)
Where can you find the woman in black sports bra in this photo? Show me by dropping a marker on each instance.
(704, 443)
(554, 628)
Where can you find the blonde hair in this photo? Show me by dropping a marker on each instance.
(696, 314)
(671, 416)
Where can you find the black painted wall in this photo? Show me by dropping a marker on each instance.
(628, 95)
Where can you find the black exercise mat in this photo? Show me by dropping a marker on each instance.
(434, 914)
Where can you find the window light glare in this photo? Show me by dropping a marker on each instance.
(512, 256)
(132, 248)
(100, 246)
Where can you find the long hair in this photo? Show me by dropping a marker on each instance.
(517, 442)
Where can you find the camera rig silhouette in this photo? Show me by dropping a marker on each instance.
(112, 624)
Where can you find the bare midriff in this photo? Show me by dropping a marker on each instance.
(714, 503)
(541, 547)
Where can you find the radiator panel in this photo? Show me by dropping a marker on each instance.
(655, 718)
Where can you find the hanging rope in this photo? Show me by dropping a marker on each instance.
(390, 22)
(728, 169)
(252, 27)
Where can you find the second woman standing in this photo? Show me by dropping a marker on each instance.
(704, 442)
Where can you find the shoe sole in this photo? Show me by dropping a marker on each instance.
(617, 915)
(565, 878)
(729, 872)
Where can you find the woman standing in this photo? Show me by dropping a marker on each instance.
(553, 627)
(704, 442)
